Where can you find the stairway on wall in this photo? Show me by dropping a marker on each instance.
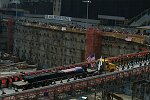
(141, 20)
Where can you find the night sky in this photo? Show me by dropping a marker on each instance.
(124, 8)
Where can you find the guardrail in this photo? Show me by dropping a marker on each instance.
(139, 16)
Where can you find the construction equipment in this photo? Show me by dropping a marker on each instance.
(107, 66)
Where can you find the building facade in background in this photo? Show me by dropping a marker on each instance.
(4, 3)
(35, 6)
(111, 20)
(78, 9)
(57, 7)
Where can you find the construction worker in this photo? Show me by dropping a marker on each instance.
(0, 84)
(46, 96)
(3, 92)
(123, 67)
(128, 66)
(140, 64)
(117, 68)
(7, 83)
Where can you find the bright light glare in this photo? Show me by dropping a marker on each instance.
(88, 1)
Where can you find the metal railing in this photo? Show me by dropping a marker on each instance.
(77, 84)
(139, 16)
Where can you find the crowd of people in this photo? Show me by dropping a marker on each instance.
(118, 29)
(75, 26)
(55, 25)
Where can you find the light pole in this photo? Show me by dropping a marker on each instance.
(87, 9)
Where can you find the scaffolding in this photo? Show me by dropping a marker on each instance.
(93, 42)
(141, 90)
(0, 25)
(10, 24)
(79, 87)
